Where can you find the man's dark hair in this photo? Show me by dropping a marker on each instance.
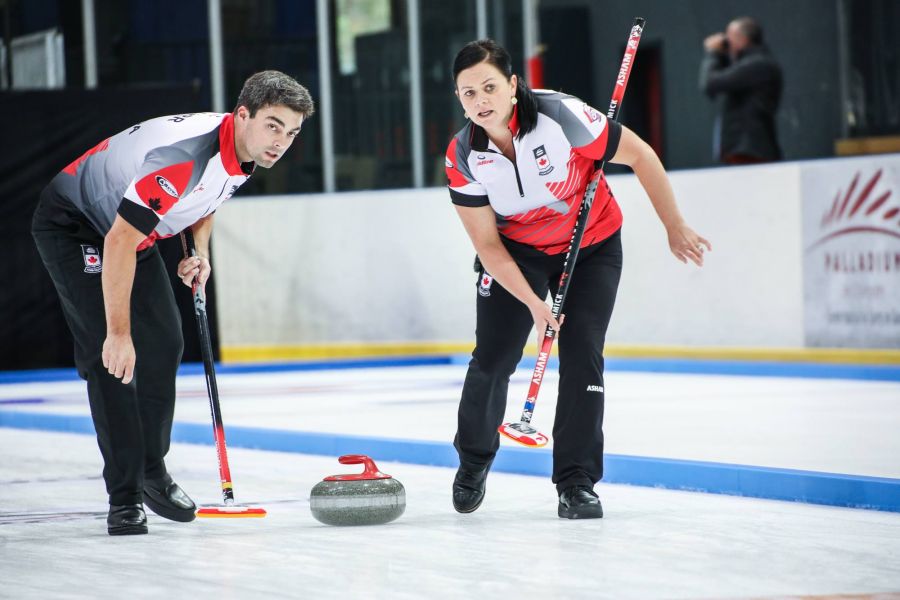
(750, 28)
(494, 54)
(274, 88)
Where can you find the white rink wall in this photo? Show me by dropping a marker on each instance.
(396, 266)
(749, 291)
(350, 267)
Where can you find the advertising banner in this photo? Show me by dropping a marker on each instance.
(851, 252)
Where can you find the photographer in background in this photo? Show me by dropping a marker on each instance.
(739, 66)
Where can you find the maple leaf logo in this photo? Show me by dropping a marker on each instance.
(92, 259)
(155, 204)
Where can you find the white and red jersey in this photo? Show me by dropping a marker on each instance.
(161, 176)
(536, 198)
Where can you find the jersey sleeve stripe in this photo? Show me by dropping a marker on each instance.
(141, 218)
(612, 142)
(605, 146)
(467, 199)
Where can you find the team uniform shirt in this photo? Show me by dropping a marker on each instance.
(161, 176)
(536, 198)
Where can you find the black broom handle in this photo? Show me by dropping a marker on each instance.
(209, 368)
(612, 114)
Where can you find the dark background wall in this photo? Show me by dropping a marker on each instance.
(153, 59)
(166, 41)
(48, 130)
(802, 35)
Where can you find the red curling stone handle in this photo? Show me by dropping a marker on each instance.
(370, 471)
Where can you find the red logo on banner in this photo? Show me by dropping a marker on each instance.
(866, 211)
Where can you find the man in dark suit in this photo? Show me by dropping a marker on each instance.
(739, 66)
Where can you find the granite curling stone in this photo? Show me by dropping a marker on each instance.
(367, 498)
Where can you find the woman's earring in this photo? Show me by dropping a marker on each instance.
(513, 100)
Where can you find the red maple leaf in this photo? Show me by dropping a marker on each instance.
(92, 259)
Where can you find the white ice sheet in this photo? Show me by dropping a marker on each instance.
(651, 544)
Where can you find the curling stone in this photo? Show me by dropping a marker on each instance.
(367, 498)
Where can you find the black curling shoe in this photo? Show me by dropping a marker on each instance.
(579, 502)
(165, 498)
(126, 519)
(468, 489)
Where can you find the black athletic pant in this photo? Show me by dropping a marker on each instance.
(503, 326)
(133, 421)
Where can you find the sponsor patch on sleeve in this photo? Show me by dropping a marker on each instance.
(161, 189)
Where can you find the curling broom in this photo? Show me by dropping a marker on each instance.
(229, 509)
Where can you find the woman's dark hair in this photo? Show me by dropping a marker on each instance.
(494, 54)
